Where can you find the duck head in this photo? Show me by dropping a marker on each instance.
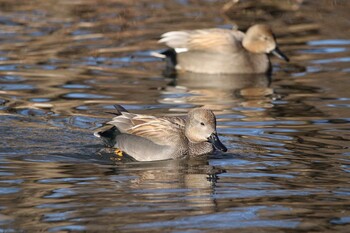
(201, 127)
(259, 38)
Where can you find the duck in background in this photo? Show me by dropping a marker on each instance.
(221, 51)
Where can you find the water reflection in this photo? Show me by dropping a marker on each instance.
(65, 196)
(213, 91)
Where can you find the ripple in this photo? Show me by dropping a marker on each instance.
(240, 218)
(15, 87)
(341, 221)
(329, 42)
(60, 193)
(9, 190)
(76, 86)
(85, 96)
(58, 217)
(67, 228)
(66, 180)
(256, 174)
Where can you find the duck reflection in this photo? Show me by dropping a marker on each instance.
(214, 90)
(191, 179)
(222, 81)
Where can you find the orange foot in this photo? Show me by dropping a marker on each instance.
(118, 152)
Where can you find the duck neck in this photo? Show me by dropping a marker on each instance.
(200, 148)
(260, 62)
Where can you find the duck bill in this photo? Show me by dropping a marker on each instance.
(277, 52)
(214, 139)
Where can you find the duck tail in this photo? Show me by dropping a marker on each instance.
(107, 133)
(108, 136)
(119, 110)
(169, 56)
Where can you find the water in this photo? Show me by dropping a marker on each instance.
(63, 64)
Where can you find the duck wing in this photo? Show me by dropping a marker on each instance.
(178, 120)
(215, 40)
(159, 130)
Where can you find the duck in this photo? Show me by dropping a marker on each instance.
(151, 138)
(221, 51)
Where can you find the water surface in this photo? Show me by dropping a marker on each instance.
(64, 64)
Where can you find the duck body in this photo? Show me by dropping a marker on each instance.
(215, 51)
(149, 138)
(213, 63)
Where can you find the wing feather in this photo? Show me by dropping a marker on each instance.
(158, 130)
(216, 40)
(179, 120)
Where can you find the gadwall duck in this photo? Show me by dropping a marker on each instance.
(149, 138)
(221, 51)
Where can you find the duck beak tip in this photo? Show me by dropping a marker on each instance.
(215, 141)
(277, 52)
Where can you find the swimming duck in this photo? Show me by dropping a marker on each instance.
(221, 51)
(150, 138)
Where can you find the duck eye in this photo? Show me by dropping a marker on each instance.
(202, 123)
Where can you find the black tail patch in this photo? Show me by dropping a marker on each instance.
(109, 136)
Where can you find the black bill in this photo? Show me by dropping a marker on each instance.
(214, 139)
(277, 52)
